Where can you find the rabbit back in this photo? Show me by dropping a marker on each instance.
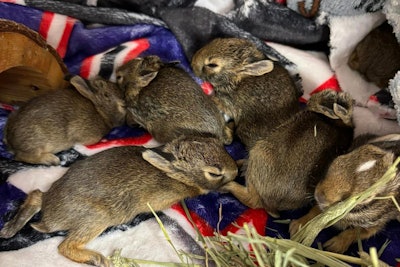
(288, 163)
(173, 104)
(54, 122)
(113, 190)
(261, 103)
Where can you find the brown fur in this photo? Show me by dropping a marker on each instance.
(57, 120)
(256, 93)
(284, 168)
(343, 181)
(115, 185)
(171, 102)
(377, 56)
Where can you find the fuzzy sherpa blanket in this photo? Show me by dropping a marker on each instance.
(95, 37)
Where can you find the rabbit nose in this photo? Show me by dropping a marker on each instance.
(204, 69)
(231, 174)
(320, 197)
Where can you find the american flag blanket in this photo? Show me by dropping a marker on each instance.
(94, 37)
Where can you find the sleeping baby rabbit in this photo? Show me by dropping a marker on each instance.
(257, 93)
(377, 56)
(283, 168)
(351, 174)
(113, 186)
(59, 119)
(167, 102)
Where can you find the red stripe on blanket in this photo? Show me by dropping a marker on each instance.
(86, 66)
(374, 98)
(256, 217)
(207, 88)
(141, 45)
(331, 83)
(303, 100)
(204, 228)
(6, 107)
(62, 46)
(128, 141)
(45, 23)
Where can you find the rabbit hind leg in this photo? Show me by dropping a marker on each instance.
(295, 225)
(245, 194)
(28, 209)
(227, 136)
(73, 246)
(37, 157)
(341, 242)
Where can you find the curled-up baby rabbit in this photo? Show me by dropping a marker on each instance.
(283, 168)
(377, 56)
(166, 101)
(351, 174)
(58, 120)
(257, 93)
(115, 185)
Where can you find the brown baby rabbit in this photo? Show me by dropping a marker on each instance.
(351, 174)
(283, 168)
(377, 56)
(113, 186)
(57, 120)
(171, 102)
(257, 93)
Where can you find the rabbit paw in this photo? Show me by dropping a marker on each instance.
(100, 261)
(7, 231)
(337, 244)
(295, 226)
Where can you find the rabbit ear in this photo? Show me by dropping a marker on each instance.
(81, 86)
(326, 111)
(386, 138)
(343, 113)
(337, 113)
(147, 78)
(158, 161)
(340, 111)
(258, 68)
(388, 159)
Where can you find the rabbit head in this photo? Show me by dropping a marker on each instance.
(106, 97)
(355, 172)
(226, 61)
(334, 105)
(197, 158)
(138, 72)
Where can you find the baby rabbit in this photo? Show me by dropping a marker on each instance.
(377, 56)
(349, 175)
(113, 186)
(57, 120)
(284, 167)
(255, 92)
(171, 102)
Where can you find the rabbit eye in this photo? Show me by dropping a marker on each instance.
(212, 65)
(214, 175)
